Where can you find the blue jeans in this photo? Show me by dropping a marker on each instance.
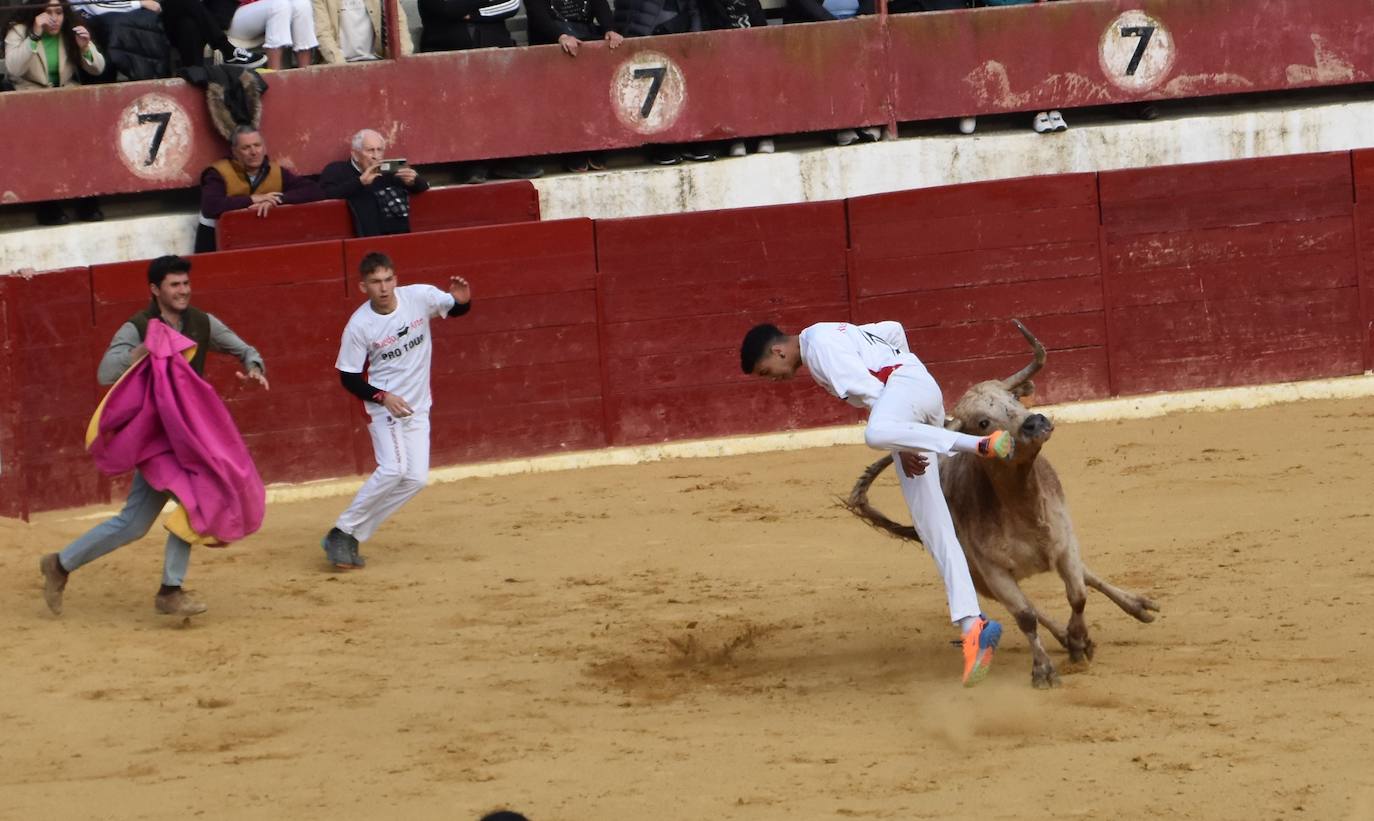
(138, 515)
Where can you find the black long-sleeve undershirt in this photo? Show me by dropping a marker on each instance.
(355, 384)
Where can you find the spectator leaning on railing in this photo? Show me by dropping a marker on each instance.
(248, 179)
(378, 196)
(49, 49)
(350, 31)
(570, 23)
(283, 24)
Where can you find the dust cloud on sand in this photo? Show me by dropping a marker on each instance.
(719, 639)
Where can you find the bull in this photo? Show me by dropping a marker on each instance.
(1011, 517)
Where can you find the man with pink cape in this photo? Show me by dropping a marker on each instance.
(164, 421)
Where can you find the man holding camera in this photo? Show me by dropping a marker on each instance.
(378, 190)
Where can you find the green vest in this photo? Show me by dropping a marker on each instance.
(195, 325)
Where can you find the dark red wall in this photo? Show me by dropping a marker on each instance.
(586, 334)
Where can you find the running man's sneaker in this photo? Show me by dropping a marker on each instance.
(243, 58)
(337, 549)
(979, 642)
(1000, 445)
(353, 554)
(177, 603)
(54, 582)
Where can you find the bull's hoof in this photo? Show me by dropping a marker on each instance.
(1044, 678)
(1082, 653)
(1141, 609)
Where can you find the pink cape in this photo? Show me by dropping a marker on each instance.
(166, 421)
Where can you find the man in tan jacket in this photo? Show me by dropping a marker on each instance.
(351, 30)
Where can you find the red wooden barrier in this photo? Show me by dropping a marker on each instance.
(1231, 273)
(956, 264)
(289, 303)
(1362, 165)
(678, 293)
(14, 498)
(54, 380)
(437, 209)
(518, 375)
(714, 85)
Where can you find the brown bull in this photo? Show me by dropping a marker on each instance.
(1011, 517)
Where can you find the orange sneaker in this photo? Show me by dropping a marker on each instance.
(979, 642)
(1000, 445)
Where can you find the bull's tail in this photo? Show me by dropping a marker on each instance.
(857, 503)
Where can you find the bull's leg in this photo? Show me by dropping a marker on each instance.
(1133, 603)
(1070, 569)
(1053, 626)
(1004, 588)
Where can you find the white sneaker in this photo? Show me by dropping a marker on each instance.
(738, 149)
(1057, 121)
(846, 137)
(967, 125)
(766, 145)
(1042, 123)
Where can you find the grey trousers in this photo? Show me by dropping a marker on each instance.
(138, 515)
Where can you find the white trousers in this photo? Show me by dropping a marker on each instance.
(282, 24)
(401, 447)
(910, 415)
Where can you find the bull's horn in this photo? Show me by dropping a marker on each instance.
(857, 503)
(1037, 361)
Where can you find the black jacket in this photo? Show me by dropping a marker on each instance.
(342, 180)
(732, 14)
(135, 44)
(455, 25)
(813, 11)
(640, 18)
(548, 19)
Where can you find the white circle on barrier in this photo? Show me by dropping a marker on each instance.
(154, 135)
(648, 92)
(1137, 52)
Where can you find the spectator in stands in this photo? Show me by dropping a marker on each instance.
(379, 199)
(351, 31)
(570, 23)
(282, 25)
(737, 14)
(645, 18)
(131, 35)
(50, 49)
(816, 11)
(248, 179)
(191, 27)
(458, 25)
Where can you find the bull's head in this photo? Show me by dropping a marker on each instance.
(996, 405)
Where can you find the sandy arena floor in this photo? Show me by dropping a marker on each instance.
(717, 639)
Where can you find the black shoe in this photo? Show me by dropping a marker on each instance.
(665, 158)
(577, 163)
(698, 154)
(596, 162)
(90, 214)
(243, 58)
(518, 170)
(337, 549)
(358, 560)
(473, 174)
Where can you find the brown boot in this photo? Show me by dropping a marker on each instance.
(177, 603)
(54, 582)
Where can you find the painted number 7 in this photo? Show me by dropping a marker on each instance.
(1144, 33)
(162, 118)
(658, 73)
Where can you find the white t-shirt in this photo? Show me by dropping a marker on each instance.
(395, 348)
(355, 31)
(853, 361)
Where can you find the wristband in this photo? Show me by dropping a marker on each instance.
(379, 397)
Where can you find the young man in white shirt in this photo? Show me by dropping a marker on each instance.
(871, 366)
(389, 336)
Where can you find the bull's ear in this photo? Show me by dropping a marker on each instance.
(1024, 389)
(953, 424)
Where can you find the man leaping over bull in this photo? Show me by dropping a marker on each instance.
(871, 366)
